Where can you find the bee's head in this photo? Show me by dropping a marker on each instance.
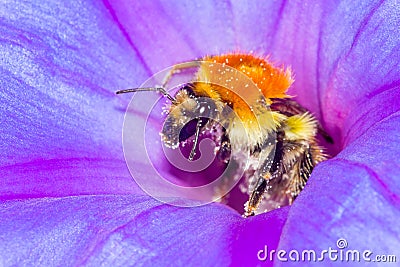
(186, 114)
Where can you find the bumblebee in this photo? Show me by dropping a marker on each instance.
(278, 134)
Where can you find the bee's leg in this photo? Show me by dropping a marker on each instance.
(223, 154)
(196, 139)
(256, 196)
(224, 151)
(265, 176)
(177, 69)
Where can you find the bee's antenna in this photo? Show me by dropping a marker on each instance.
(196, 139)
(146, 89)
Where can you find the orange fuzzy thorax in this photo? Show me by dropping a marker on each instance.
(273, 81)
(270, 81)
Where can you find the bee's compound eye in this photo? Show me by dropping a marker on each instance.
(188, 130)
(170, 133)
(173, 133)
(181, 123)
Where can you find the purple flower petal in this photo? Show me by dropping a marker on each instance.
(356, 194)
(63, 177)
(61, 136)
(61, 120)
(61, 129)
(129, 230)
